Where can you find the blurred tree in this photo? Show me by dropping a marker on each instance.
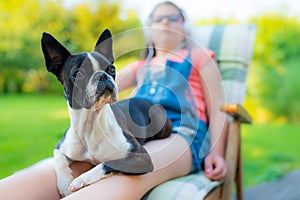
(277, 65)
(21, 28)
(22, 23)
(274, 75)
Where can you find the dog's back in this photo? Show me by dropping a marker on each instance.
(144, 120)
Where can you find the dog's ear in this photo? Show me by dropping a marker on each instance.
(55, 54)
(104, 45)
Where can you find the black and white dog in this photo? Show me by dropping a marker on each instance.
(109, 135)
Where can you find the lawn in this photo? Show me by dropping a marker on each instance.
(269, 151)
(31, 125)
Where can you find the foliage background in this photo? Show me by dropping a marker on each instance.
(273, 92)
(22, 23)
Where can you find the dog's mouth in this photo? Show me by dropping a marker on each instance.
(107, 97)
(102, 93)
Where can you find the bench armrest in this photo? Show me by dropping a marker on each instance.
(237, 111)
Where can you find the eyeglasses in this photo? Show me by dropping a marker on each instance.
(171, 18)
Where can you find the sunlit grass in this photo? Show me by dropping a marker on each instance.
(269, 151)
(30, 127)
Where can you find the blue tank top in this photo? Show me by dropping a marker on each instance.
(169, 87)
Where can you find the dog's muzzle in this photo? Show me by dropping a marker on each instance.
(101, 89)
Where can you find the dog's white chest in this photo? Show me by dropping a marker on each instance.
(94, 137)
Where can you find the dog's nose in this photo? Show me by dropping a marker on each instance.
(104, 77)
(101, 76)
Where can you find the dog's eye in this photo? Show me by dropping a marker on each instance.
(112, 69)
(77, 74)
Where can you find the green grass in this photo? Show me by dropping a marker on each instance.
(31, 125)
(269, 151)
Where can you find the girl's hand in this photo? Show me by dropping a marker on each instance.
(215, 166)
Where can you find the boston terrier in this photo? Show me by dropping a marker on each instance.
(104, 132)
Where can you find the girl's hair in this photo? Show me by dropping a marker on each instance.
(149, 45)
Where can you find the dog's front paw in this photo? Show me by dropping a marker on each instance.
(87, 179)
(82, 181)
(65, 192)
(63, 187)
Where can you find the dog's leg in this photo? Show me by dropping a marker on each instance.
(63, 172)
(95, 174)
(136, 163)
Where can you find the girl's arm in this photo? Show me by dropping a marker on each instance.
(214, 163)
(125, 78)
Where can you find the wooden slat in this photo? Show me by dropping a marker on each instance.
(232, 148)
(239, 173)
(214, 194)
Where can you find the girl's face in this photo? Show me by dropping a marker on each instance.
(167, 27)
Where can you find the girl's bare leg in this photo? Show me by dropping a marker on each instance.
(38, 182)
(171, 158)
